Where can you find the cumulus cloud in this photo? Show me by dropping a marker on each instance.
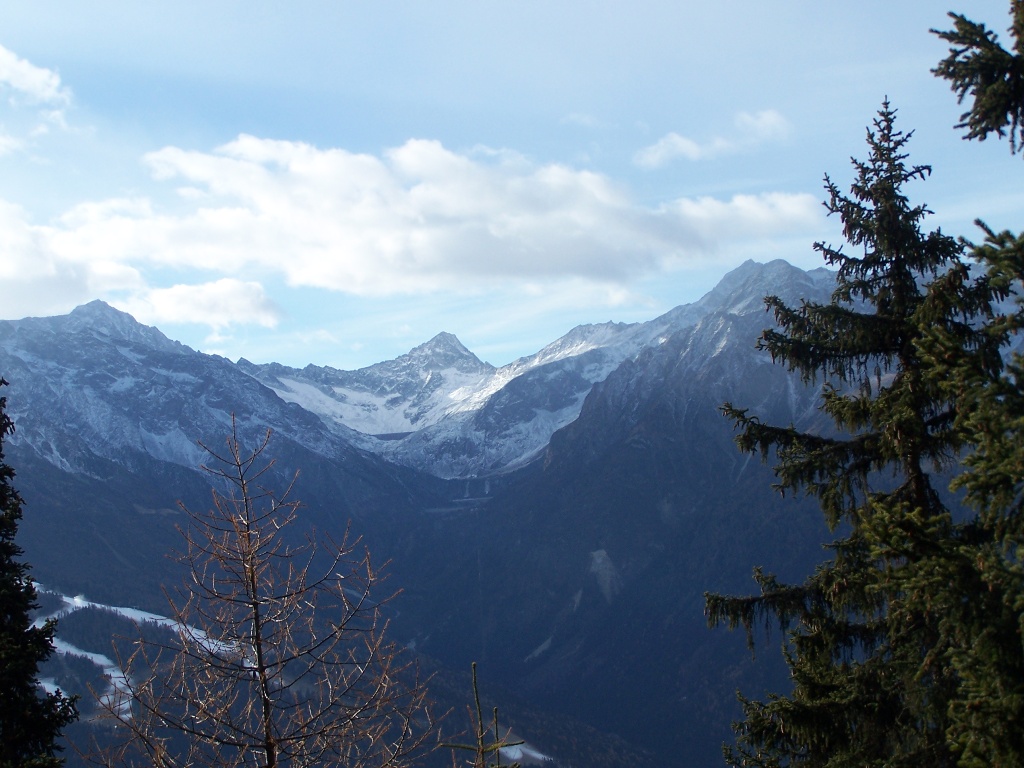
(37, 84)
(751, 131)
(219, 304)
(749, 216)
(672, 145)
(36, 279)
(36, 102)
(416, 219)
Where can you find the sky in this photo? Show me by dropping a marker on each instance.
(334, 182)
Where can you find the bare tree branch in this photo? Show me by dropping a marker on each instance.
(281, 656)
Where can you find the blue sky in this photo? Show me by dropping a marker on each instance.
(336, 182)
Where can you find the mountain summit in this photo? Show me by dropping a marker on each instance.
(445, 351)
(96, 319)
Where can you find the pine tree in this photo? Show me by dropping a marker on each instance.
(30, 719)
(984, 617)
(986, 627)
(979, 67)
(866, 642)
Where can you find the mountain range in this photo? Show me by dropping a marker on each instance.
(557, 519)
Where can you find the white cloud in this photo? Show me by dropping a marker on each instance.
(767, 125)
(418, 219)
(33, 279)
(36, 102)
(672, 145)
(749, 217)
(37, 84)
(751, 131)
(9, 144)
(218, 304)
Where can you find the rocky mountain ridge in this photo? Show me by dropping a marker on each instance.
(440, 409)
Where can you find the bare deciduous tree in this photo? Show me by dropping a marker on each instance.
(279, 656)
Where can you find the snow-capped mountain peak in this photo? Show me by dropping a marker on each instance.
(744, 288)
(445, 351)
(413, 391)
(98, 319)
(437, 407)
